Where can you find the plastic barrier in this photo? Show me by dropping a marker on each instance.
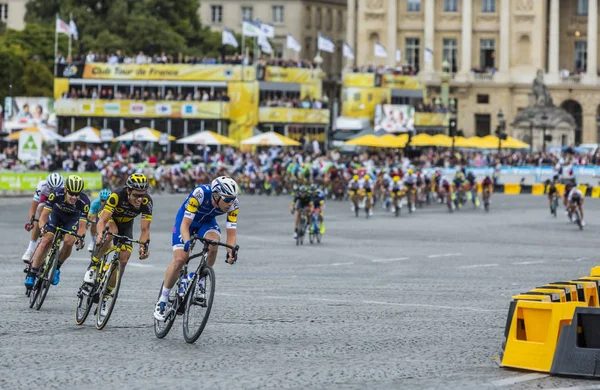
(538, 189)
(512, 189)
(567, 285)
(556, 295)
(578, 349)
(533, 334)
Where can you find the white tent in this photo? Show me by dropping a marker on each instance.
(206, 138)
(143, 134)
(88, 135)
(270, 138)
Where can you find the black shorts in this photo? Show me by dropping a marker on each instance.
(125, 229)
(63, 220)
(576, 200)
(300, 205)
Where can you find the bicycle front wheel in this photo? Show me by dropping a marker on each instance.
(108, 297)
(45, 282)
(162, 328)
(84, 303)
(198, 303)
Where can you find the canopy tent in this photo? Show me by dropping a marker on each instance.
(462, 142)
(47, 134)
(88, 134)
(491, 142)
(422, 139)
(206, 138)
(143, 134)
(391, 141)
(367, 140)
(270, 138)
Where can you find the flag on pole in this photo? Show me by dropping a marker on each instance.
(265, 46)
(73, 29)
(250, 29)
(325, 44)
(293, 44)
(398, 55)
(428, 56)
(62, 27)
(228, 38)
(267, 30)
(348, 53)
(380, 50)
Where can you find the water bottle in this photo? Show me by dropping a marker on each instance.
(182, 285)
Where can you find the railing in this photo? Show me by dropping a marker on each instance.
(483, 77)
(570, 80)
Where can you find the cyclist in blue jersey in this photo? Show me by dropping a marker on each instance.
(318, 198)
(197, 215)
(95, 207)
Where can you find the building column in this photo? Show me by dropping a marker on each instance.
(466, 41)
(592, 42)
(553, 52)
(429, 34)
(392, 33)
(350, 28)
(504, 69)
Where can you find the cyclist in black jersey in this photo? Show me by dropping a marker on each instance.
(302, 202)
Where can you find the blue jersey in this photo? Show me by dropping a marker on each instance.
(95, 207)
(198, 206)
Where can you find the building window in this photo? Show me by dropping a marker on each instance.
(278, 14)
(488, 6)
(217, 13)
(318, 19)
(483, 99)
(247, 13)
(483, 125)
(450, 5)
(414, 6)
(307, 42)
(487, 53)
(329, 20)
(308, 17)
(340, 21)
(582, 7)
(450, 53)
(4, 12)
(413, 51)
(580, 56)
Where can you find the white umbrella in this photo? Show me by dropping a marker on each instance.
(47, 134)
(206, 138)
(88, 135)
(270, 138)
(143, 134)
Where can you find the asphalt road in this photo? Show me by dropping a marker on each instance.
(414, 303)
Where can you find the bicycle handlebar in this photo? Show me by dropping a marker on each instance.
(123, 238)
(207, 242)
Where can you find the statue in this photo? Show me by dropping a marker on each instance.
(540, 91)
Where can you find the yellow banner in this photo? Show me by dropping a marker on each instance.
(292, 75)
(293, 115)
(430, 119)
(169, 72)
(295, 135)
(359, 79)
(311, 91)
(244, 109)
(361, 102)
(60, 86)
(142, 109)
(400, 82)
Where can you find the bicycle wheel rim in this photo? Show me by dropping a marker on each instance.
(45, 280)
(162, 328)
(35, 292)
(192, 326)
(102, 320)
(84, 305)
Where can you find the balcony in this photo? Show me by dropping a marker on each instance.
(293, 115)
(570, 80)
(483, 77)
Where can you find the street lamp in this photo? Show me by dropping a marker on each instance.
(499, 133)
(544, 123)
(531, 117)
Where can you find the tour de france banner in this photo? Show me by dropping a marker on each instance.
(359, 79)
(28, 181)
(293, 115)
(277, 74)
(360, 102)
(142, 109)
(394, 118)
(430, 119)
(179, 72)
(400, 82)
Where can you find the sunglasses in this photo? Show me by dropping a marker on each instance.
(137, 196)
(228, 200)
(73, 193)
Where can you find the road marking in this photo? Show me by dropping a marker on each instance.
(140, 265)
(389, 260)
(518, 379)
(529, 262)
(444, 255)
(331, 265)
(478, 266)
(578, 388)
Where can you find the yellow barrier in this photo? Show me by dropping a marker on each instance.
(538, 189)
(555, 295)
(596, 192)
(570, 288)
(532, 297)
(512, 189)
(534, 331)
(561, 188)
(590, 291)
(583, 188)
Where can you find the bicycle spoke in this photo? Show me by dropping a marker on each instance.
(198, 304)
(108, 297)
(162, 328)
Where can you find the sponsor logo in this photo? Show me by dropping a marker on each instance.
(188, 109)
(70, 71)
(112, 108)
(163, 109)
(137, 108)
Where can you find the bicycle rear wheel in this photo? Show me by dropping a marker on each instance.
(197, 309)
(49, 270)
(162, 328)
(108, 298)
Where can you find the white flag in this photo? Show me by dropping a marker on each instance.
(250, 29)
(62, 27)
(267, 30)
(380, 50)
(228, 38)
(398, 55)
(265, 46)
(325, 44)
(73, 29)
(348, 53)
(293, 44)
(428, 56)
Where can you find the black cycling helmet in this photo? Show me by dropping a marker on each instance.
(302, 190)
(137, 181)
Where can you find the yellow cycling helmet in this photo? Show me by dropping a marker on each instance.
(410, 171)
(367, 177)
(355, 177)
(74, 184)
(137, 181)
(396, 179)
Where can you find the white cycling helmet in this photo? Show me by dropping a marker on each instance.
(55, 180)
(225, 186)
